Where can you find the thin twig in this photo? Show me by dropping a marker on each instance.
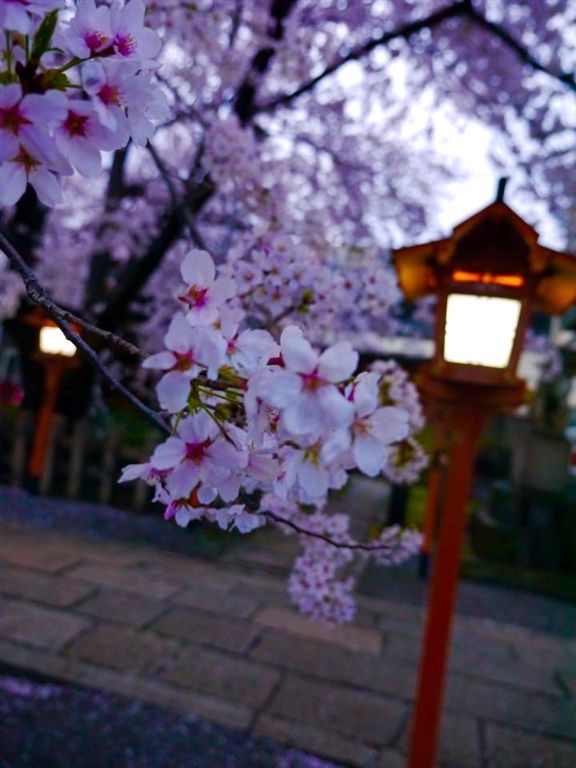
(177, 204)
(111, 338)
(38, 295)
(327, 539)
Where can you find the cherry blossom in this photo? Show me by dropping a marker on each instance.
(89, 31)
(21, 15)
(188, 351)
(80, 136)
(253, 418)
(303, 390)
(47, 125)
(130, 38)
(203, 294)
(26, 118)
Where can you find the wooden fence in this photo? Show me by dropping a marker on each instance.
(81, 462)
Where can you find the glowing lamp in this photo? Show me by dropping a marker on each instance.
(53, 342)
(488, 276)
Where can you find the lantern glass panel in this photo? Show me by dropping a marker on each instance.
(53, 342)
(480, 330)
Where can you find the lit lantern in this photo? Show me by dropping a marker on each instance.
(489, 275)
(52, 341)
(56, 354)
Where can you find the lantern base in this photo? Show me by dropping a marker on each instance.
(442, 386)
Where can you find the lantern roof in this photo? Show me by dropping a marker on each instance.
(495, 240)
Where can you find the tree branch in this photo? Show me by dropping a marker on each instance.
(178, 204)
(461, 8)
(523, 54)
(39, 296)
(327, 539)
(244, 103)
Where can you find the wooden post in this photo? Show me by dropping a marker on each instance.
(435, 476)
(76, 458)
(52, 373)
(467, 422)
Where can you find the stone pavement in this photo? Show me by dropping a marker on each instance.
(219, 640)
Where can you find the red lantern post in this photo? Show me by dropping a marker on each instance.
(489, 276)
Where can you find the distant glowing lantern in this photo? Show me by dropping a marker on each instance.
(53, 342)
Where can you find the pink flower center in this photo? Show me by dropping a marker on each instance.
(195, 296)
(312, 382)
(108, 95)
(125, 44)
(195, 452)
(12, 119)
(184, 361)
(75, 124)
(26, 160)
(95, 40)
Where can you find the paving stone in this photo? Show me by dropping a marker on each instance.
(240, 606)
(333, 662)
(122, 649)
(392, 609)
(209, 628)
(358, 714)
(513, 673)
(410, 627)
(545, 714)
(123, 608)
(58, 592)
(459, 740)
(136, 580)
(510, 748)
(265, 589)
(351, 637)
(193, 572)
(222, 675)
(221, 711)
(318, 741)
(43, 557)
(390, 758)
(548, 658)
(462, 657)
(41, 627)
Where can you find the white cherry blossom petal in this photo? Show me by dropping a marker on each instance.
(370, 455)
(173, 391)
(168, 454)
(297, 352)
(162, 361)
(303, 417)
(313, 478)
(338, 362)
(198, 268)
(197, 428)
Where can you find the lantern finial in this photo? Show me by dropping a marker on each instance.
(501, 189)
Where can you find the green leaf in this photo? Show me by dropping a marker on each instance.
(53, 78)
(43, 37)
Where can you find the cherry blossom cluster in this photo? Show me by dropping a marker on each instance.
(252, 416)
(324, 576)
(74, 82)
(406, 459)
(281, 281)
